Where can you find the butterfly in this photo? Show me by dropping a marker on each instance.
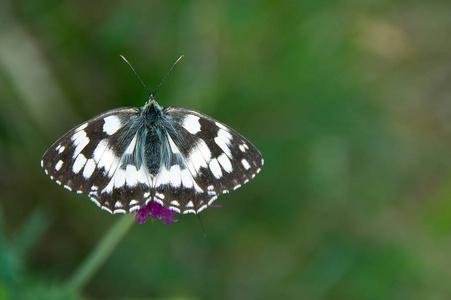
(176, 157)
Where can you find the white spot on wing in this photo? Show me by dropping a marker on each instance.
(163, 177)
(99, 150)
(242, 148)
(118, 204)
(206, 153)
(223, 145)
(224, 135)
(245, 164)
(105, 157)
(225, 162)
(133, 202)
(175, 176)
(107, 209)
(187, 179)
(222, 126)
(113, 167)
(215, 168)
(197, 188)
(212, 200)
(202, 208)
(175, 209)
(158, 201)
(132, 209)
(112, 124)
(175, 203)
(95, 201)
(119, 178)
(61, 150)
(143, 177)
(58, 165)
(78, 163)
(196, 159)
(131, 175)
(191, 123)
(80, 141)
(190, 204)
(89, 168)
(81, 127)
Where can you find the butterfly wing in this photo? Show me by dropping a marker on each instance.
(206, 159)
(102, 158)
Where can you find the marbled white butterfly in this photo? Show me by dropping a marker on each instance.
(177, 157)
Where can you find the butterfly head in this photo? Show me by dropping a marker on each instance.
(151, 101)
(151, 112)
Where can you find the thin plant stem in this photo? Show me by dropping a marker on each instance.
(99, 255)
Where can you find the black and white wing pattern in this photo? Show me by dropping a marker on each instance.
(177, 157)
(89, 159)
(207, 159)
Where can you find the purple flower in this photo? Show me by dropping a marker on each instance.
(158, 211)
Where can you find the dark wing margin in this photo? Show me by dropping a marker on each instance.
(217, 158)
(100, 158)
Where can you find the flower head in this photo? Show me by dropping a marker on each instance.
(157, 210)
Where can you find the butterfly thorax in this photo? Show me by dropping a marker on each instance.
(151, 113)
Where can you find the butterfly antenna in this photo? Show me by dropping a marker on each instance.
(167, 74)
(201, 225)
(136, 74)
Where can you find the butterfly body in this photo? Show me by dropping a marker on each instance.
(177, 157)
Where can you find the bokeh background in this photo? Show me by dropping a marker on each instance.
(348, 101)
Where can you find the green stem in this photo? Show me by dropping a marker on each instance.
(102, 251)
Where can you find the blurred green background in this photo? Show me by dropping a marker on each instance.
(348, 101)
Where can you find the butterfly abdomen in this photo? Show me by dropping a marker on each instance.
(153, 150)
